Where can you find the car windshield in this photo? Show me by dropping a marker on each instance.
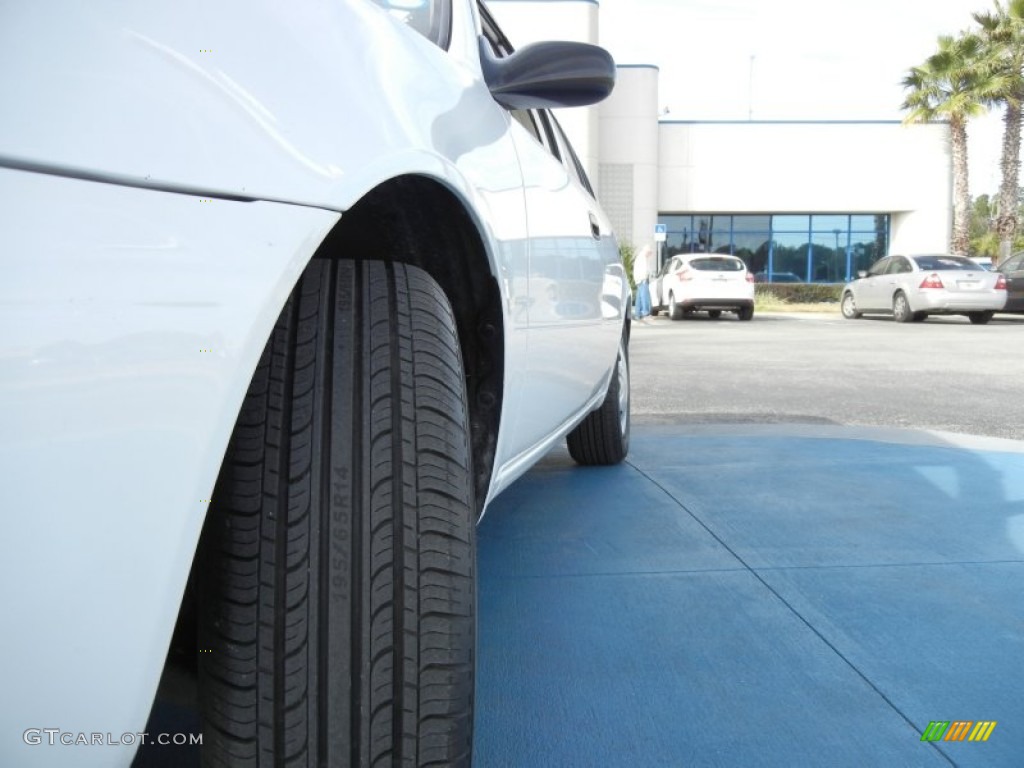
(717, 264)
(945, 262)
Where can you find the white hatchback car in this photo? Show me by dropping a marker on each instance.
(912, 287)
(289, 295)
(703, 281)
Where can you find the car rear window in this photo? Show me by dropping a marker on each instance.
(717, 264)
(945, 262)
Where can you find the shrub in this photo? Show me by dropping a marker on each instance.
(626, 254)
(799, 293)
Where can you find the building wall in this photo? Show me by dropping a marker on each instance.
(641, 167)
(813, 167)
(628, 176)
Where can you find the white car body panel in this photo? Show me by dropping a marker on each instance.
(568, 269)
(163, 79)
(123, 363)
(147, 254)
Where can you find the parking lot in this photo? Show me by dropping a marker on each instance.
(943, 374)
(786, 571)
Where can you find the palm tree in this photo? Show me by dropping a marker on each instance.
(1002, 31)
(953, 85)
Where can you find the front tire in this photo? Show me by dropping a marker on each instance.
(849, 307)
(714, 314)
(336, 571)
(602, 438)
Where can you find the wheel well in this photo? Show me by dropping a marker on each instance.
(415, 220)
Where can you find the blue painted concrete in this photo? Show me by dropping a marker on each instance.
(755, 597)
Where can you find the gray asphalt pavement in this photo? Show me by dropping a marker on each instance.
(943, 374)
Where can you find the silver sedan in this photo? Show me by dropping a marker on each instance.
(912, 287)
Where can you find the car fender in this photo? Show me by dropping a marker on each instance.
(130, 341)
(172, 96)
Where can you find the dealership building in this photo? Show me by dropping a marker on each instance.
(797, 200)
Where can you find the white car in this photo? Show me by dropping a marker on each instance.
(289, 295)
(912, 287)
(703, 281)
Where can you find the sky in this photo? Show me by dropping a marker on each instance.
(793, 59)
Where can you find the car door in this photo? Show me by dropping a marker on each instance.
(576, 283)
(899, 276)
(1013, 271)
(657, 286)
(869, 293)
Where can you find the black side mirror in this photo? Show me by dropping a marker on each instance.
(549, 75)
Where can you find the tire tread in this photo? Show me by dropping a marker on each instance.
(354, 433)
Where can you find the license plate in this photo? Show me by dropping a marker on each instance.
(968, 285)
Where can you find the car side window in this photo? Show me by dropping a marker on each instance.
(568, 156)
(898, 265)
(878, 268)
(431, 18)
(1012, 264)
(525, 118)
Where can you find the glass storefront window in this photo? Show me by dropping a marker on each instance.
(789, 257)
(678, 233)
(752, 247)
(864, 251)
(789, 223)
(751, 223)
(705, 225)
(828, 255)
(828, 222)
(828, 247)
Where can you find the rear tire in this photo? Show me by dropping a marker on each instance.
(980, 318)
(714, 314)
(602, 438)
(901, 308)
(675, 311)
(337, 570)
(746, 313)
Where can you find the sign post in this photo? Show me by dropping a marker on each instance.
(660, 236)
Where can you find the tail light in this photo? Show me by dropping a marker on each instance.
(750, 278)
(684, 274)
(1001, 282)
(932, 281)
